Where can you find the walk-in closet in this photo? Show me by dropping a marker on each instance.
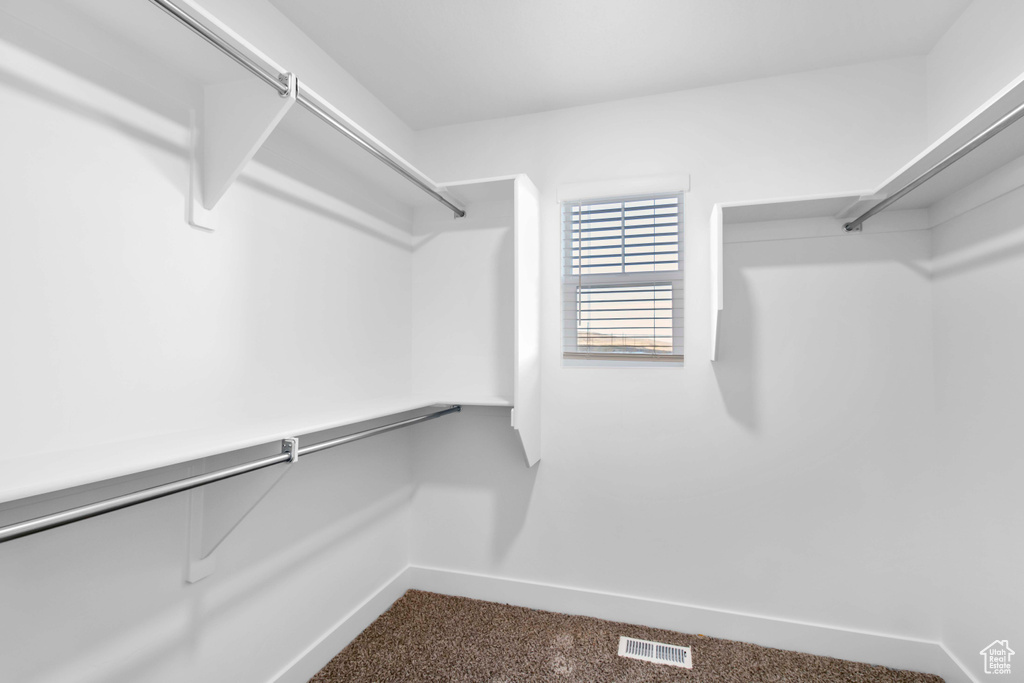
(447, 340)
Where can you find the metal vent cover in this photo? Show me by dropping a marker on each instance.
(658, 653)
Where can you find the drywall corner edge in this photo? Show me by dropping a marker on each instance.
(885, 650)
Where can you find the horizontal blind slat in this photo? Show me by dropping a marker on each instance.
(606, 238)
(670, 218)
(628, 244)
(619, 226)
(667, 206)
(648, 329)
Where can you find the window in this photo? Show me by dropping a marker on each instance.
(622, 278)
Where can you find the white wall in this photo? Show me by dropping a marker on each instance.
(264, 26)
(978, 278)
(800, 466)
(134, 324)
(123, 322)
(463, 325)
(978, 270)
(105, 600)
(979, 55)
(792, 466)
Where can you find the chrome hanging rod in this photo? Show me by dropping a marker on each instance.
(308, 99)
(968, 147)
(290, 452)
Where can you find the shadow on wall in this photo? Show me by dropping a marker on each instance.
(735, 368)
(331, 512)
(58, 33)
(986, 236)
(818, 308)
(473, 487)
(149, 132)
(155, 112)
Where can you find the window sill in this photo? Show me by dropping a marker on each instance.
(576, 359)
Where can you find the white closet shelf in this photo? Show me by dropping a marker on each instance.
(138, 57)
(236, 114)
(476, 301)
(482, 402)
(979, 163)
(956, 189)
(31, 474)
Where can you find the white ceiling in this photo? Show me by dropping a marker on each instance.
(438, 62)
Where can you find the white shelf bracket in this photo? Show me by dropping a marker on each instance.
(217, 510)
(235, 120)
(291, 447)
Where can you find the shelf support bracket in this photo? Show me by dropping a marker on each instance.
(217, 510)
(235, 120)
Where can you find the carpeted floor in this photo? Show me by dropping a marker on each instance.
(438, 638)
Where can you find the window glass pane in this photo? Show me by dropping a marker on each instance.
(621, 278)
(624, 318)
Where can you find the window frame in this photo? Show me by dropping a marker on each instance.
(675, 277)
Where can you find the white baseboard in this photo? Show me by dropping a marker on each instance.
(303, 667)
(891, 651)
(967, 675)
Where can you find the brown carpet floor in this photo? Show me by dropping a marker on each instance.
(426, 637)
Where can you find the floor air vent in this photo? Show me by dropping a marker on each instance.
(659, 653)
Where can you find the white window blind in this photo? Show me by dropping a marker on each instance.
(622, 286)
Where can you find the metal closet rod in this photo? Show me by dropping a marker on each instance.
(968, 147)
(310, 101)
(290, 452)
